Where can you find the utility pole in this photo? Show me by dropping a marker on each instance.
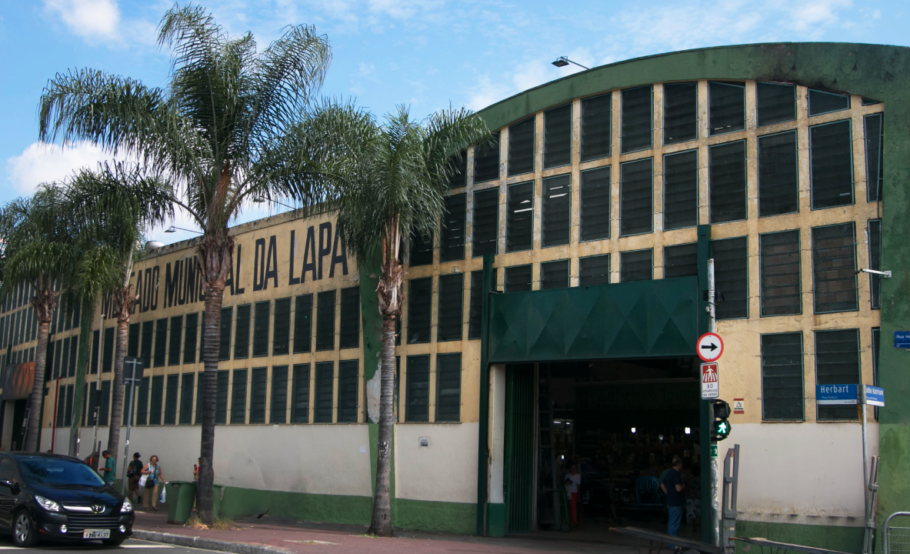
(715, 492)
(131, 382)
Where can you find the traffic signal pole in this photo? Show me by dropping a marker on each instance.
(714, 510)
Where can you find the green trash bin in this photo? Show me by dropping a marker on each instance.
(180, 498)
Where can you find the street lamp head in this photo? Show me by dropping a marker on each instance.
(258, 200)
(170, 229)
(561, 61)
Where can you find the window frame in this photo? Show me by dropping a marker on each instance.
(852, 166)
(664, 189)
(802, 363)
(799, 268)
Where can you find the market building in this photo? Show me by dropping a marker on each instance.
(589, 218)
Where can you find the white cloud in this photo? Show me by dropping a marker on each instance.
(45, 163)
(90, 19)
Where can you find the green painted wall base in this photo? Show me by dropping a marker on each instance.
(844, 539)
(496, 520)
(435, 517)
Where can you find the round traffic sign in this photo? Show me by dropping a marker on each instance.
(710, 347)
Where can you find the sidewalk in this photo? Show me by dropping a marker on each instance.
(295, 536)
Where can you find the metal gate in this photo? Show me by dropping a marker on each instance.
(519, 460)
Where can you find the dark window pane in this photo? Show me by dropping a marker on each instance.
(595, 204)
(780, 280)
(875, 155)
(420, 250)
(680, 112)
(776, 103)
(520, 217)
(681, 260)
(636, 119)
(325, 320)
(258, 384)
(170, 401)
(278, 404)
(782, 376)
(474, 310)
(104, 410)
(486, 160)
(823, 102)
(870, 101)
(731, 277)
(448, 387)
(68, 416)
(837, 363)
(142, 401)
(727, 111)
(349, 335)
(451, 291)
(300, 407)
(107, 364)
(557, 214)
(681, 190)
(238, 398)
(554, 275)
(420, 304)
(348, 379)
(636, 265)
(303, 323)
(418, 393)
(459, 166)
(325, 377)
(187, 380)
(452, 234)
(173, 350)
(282, 332)
(486, 222)
(518, 278)
(160, 342)
(224, 347)
(875, 262)
(778, 185)
(727, 175)
(636, 201)
(221, 396)
(157, 400)
(557, 136)
(521, 147)
(261, 328)
(242, 332)
(189, 338)
(596, 127)
(831, 154)
(594, 270)
(834, 268)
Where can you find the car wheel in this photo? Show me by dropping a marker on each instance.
(114, 542)
(24, 533)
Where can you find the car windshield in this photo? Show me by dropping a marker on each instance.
(57, 472)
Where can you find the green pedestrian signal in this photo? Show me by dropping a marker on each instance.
(720, 427)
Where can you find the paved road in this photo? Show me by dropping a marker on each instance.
(131, 546)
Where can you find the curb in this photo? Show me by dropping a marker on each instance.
(206, 544)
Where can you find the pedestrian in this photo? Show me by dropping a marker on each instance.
(109, 471)
(573, 482)
(676, 497)
(155, 477)
(92, 461)
(133, 474)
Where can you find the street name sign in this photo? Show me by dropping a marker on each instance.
(836, 395)
(709, 347)
(710, 385)
(874, 396)
(902, 339)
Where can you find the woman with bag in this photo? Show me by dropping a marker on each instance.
(152, 476)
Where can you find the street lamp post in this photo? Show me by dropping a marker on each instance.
(563, 61)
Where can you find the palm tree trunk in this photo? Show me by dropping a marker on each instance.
(381, 524)
(85, 337)
(212, 333)
(44, 303)
(125, 304)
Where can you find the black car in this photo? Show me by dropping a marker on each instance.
(56, 498)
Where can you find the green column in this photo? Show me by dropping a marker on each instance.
(704, 411)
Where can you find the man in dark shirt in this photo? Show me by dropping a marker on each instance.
(676, 498)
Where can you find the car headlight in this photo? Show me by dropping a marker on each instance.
(126, 508)
(48, 505)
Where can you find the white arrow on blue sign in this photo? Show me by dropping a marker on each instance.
(836, 395)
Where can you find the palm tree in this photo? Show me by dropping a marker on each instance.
(234, 124)
(400, 194)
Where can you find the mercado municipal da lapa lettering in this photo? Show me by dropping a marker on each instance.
(589, 220)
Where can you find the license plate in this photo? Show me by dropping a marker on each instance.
(96, 534)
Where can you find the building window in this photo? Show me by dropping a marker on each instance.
(142, 401)
(518, 278)
(300, 407)
(104, 410)
(557, 214)
(636, 202)
(420, 249)
(262, 318)
(681, 260)
(348, 377)
(681, 190)
(776, 103)
(594, 270)
(521, 147)
(420, 310)
(187, 380)
(238, 397)
(875, 262)
(636, 265)
(876, 348)
(242, 332)
(680, 112)
(189, 338)
(475, 306)
(834, 268)
(727, 177)
(635, 132)
(157, 400)
(325, 320)
(325, 388)
(731, 277)
(349, 334)
(61, 406)
(160, 342)
(282, 332)
(554, 275)
(278, 406)
(170, 401)
(221, 396)
(458, 165)
(90, 403)
(825, 102)
(107, 363)
(520, 217)
(778, 174)
(596, 127)
(727, 107)
(831, 155)
(875, 156)
(557, 136)
(782, 377)
(595, 204)
(485, 226)
(452, 234)
(448, 387)
(449, 311)
(258, 382)
(224, 345)
(779, 259)
(486, 160)
(837, 363)
(173, 352)
(303, 323)
(418, 393)
(68, 415)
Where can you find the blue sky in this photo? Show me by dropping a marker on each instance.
(423, 53)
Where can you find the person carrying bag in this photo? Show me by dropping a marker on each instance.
(152, 476)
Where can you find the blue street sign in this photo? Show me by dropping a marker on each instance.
(827, 395)
(902, 339)
(874, 396)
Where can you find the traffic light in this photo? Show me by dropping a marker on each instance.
(720, 427)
